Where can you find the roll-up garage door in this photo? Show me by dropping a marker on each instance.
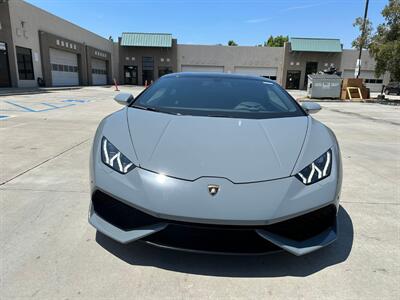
(374, 84)
(267, 72)
(99, 72)
(64, 68)
(194, 68)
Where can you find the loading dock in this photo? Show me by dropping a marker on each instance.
(99, 72)
(98, 66)
(64, 68)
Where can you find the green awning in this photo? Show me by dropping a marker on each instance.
(137, 39)
(315, 45)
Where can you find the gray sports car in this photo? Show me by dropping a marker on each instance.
(218, 163)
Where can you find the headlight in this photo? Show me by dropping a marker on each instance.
(317, 170)
(113, 158)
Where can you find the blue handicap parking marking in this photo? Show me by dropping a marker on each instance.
(42, 106)
(78, 101)
(52, 106)
(24, 108)
(4, 117)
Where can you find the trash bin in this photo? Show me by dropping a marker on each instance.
(323, 86)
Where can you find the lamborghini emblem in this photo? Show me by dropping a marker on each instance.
(213, 189)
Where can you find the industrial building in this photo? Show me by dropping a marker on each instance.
(36, 44)
(39, 48)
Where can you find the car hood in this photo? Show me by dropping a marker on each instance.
(241, 150)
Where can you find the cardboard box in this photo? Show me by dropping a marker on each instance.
(352, 82)
(365, 92)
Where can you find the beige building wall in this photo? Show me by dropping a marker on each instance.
(231, 57)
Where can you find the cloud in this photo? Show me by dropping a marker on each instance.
(290, 8)
(302, 6)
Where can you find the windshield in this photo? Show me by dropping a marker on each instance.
(218, 97)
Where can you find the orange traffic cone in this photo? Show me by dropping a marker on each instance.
(116, 85)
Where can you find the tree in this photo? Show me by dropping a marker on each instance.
(363, 39)
(232, 43)
(385, 44)
(277, 41)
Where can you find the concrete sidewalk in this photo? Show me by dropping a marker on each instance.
(34, 90)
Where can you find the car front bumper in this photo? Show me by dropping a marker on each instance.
(154, 204)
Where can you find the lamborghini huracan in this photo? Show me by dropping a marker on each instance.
(216, 163)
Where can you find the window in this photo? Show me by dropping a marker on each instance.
(380, 81)
(220, 97)
(25, 65)
(148, 63)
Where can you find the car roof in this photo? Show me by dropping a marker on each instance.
(215, 75)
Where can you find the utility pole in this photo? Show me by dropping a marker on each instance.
(358, 65)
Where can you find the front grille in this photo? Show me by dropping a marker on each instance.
(128, 218)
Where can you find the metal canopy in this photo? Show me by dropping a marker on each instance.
(315, 45)
(138, 39)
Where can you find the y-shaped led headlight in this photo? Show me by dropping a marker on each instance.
(113, 158)
(317, 170)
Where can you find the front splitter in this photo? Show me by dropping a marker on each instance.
(200, 239)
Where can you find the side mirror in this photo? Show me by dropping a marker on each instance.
(124, 98)
(311, 107)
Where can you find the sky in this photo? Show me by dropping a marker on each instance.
(209, 22)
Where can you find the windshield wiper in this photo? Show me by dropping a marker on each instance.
(145, 108)
(154, 109)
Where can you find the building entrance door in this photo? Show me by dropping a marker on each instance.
(293, 80)
(4, 67)
(311, 68)
(130, 75)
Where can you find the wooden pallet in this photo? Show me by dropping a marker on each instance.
(354, 93)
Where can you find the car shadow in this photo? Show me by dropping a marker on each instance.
(269, 265)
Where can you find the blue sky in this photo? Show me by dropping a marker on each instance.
(217, 21)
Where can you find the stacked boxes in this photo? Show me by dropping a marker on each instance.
(354, 82)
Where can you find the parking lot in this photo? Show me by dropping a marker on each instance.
(49, 251)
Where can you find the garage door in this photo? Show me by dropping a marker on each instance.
(193, 68)
(99, 72)
(64, 68)
(370, 81)
(258, 71)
